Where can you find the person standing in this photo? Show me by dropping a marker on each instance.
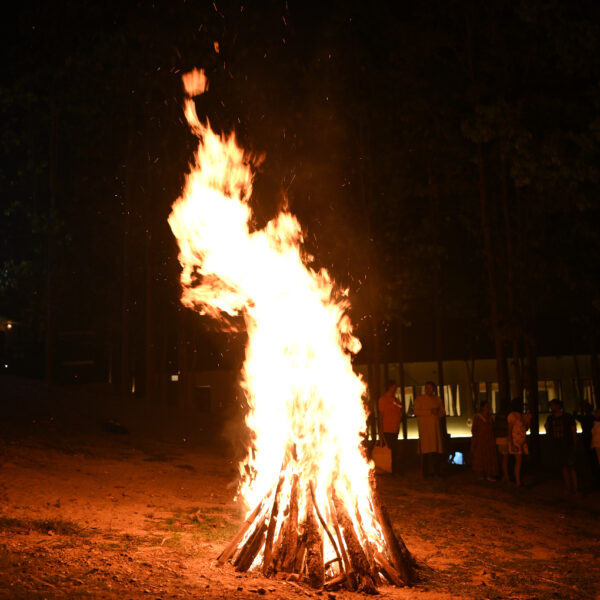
(483, 444)
(562, 430)
(390, 417)
(429, 410)
(501, 433)
(518, 424)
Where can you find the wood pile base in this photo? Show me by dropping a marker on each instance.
(296, 553)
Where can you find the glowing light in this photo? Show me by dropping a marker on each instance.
(305, 402)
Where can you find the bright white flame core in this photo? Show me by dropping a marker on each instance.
(298, 377)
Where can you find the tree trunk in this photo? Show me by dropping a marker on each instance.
(125, 386)
(50, 340)
(150, 338)
(501, 369)
(472, 385)
(374, 353)
(517, 365)
(437, 294)
(439, 352)
(375, 383)
(533, 396)
(578, 385)
(401, 378)
(515, 331)
(183, 358)
(365, 181)
(164, 376)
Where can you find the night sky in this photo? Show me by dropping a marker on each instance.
(442, 157)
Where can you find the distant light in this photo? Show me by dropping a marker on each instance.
(6, 366)
(175, 377)
(9, 326)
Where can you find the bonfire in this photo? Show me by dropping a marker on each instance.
(313, 511)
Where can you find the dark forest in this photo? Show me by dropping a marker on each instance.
(441, 156)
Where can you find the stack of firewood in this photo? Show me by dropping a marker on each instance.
(297, 552)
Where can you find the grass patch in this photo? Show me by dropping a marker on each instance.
(128, 542)
(174, 540)
(56, 526)
(209, 524)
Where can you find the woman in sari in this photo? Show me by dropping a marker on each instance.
(483, 444)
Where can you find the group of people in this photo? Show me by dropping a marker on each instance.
(429, 410)
(506, 435)
(495, 439)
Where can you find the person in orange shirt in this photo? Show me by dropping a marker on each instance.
(390, 417)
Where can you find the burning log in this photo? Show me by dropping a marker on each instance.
(346, 561)
(367, 546)
(298, 553)
(402, 560)
(232, 546)
(286, 556)
(293, 548)
(324, 524)
(335, 583)
(252, 547)
(268, 555)
(301, 555)
(388, 570)
(314, 546)
(357, 556)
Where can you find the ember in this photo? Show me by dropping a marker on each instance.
(315, 516)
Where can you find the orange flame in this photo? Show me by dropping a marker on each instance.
(298, 378)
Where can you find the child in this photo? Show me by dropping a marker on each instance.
(518, 424)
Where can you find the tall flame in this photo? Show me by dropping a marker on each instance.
(302, 393)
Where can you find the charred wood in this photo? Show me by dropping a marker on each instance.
(367, 547)
(289, 540)
(290, 577)
(401, 559)
(358, 559)
(324, 524)
(268, 554)
(300, 555)
(252, 547)
(347, 567)
(315, 567)
(237, 538)
(333, 561)
(386, 568)
(336, 582)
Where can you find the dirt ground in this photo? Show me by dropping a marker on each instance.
(98, 502)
